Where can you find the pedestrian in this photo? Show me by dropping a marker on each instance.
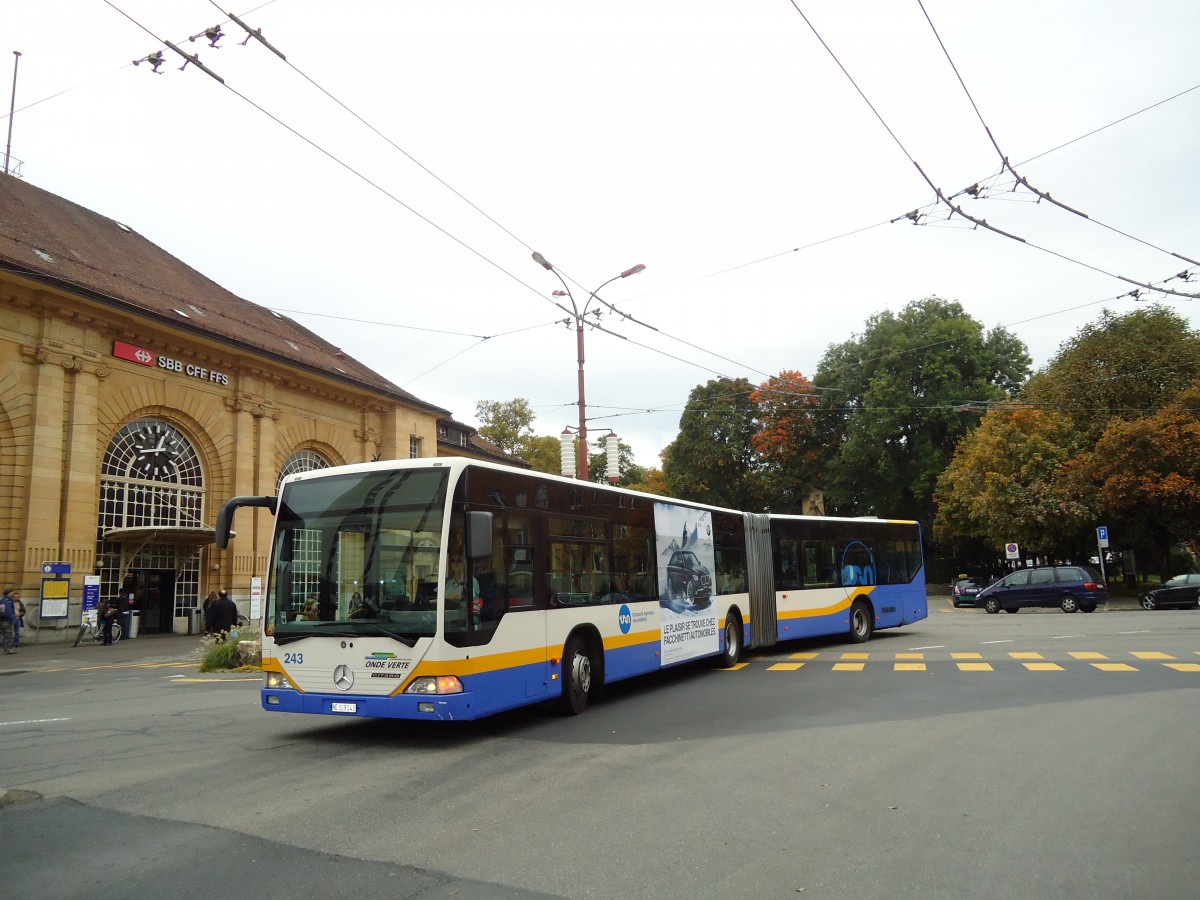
(19, 616)
(106, 614)
(206, 610)
(7, 616)
(223, 615)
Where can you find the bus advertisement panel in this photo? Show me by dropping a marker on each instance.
(685, 588)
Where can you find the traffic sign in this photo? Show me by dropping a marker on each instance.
(1012, 551)
(1102, 536)
(56, 568)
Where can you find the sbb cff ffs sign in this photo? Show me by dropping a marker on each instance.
(144, 357)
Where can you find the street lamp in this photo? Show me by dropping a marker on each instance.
(578, 314)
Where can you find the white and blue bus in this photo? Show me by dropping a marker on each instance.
(454, 589)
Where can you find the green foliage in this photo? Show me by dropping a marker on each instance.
(219, 654)
(1120, 367)
(712, 460)
(507, 424)
(891, 401)
(629, 471)
(542, 452)
(789, 439)
(1011, 480)
(1107, 432)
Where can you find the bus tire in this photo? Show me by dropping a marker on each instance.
(577, 674)
(862, 622)
(734, 638)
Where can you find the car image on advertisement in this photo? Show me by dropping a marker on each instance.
(688, 581)
(1182, 591)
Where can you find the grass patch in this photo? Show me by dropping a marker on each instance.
(217, 654)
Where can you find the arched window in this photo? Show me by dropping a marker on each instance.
(150, 477)
(301, 461)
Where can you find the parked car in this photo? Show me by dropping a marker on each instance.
(1070, 588)
(1182, 591)
(964, 589)
(688, 581)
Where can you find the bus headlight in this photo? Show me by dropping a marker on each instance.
(276, 680)
(435, 684)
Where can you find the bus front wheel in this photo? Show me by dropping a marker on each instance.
(577, 677)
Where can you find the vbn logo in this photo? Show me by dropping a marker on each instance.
(624, 619)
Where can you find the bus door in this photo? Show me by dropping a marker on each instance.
(764, 623)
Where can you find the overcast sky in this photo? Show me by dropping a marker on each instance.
(720, 144)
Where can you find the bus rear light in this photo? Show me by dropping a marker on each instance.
(435, 684)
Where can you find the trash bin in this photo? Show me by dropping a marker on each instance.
(193, 621)
(134, 618)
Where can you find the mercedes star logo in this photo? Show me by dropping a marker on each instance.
(343, 678)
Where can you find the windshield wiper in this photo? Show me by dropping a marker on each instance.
(290, 636)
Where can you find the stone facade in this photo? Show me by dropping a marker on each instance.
(136, 397)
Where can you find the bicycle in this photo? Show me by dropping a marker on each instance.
(93, 632)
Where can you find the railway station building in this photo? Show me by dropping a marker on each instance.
(137, 396)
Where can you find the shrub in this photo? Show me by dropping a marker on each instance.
(219, 654)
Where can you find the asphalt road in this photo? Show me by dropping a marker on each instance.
(1035, 755)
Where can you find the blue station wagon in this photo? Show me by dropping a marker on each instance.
(1070, 588)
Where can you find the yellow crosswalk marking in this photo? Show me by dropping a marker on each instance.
(856, 656)
(1043, 667)
(785, 667)
(1145, 654)
(1026, 656)
(736, 667)
(849, 667)
(966, 656)
(804, 656)
(1114, 667)
(974, 667)
(1082, 654)
(1183, 667)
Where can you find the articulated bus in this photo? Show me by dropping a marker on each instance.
(454, 589)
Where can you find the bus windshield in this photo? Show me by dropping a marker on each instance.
(357, 554)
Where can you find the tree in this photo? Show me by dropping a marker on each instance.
(712, 459)
(1010, 480)
(1148, 474)
(543, 453)
(891, 406)
(788, 441)
(598, 463)
(653, 481)
(1119, 367)
(507, 424)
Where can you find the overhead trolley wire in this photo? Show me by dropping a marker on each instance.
(1021, 179)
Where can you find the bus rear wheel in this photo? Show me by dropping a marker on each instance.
(862, 622)
(576, 676)
(728, 658)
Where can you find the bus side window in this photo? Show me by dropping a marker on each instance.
(787, 568)
(820, 568)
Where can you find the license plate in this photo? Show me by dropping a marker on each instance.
(345, 707)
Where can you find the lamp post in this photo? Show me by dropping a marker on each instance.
(578, 314)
